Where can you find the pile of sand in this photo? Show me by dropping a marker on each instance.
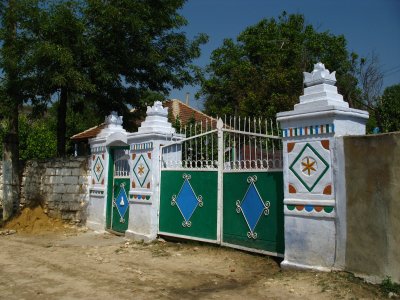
(34, 220)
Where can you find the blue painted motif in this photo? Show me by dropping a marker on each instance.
(187, 201)
(121, 202)
(309, 208)
(252, 206)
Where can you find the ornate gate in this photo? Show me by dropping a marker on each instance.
(118, 193)
(224, 184)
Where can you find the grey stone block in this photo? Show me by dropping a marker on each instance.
(73, 189)
(73, 180)
(50, 172)
(77, 172)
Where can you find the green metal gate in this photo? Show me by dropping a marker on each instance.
(117, 211)
(224, 184)
(253, 211)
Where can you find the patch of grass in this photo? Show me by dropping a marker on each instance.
(388, 286)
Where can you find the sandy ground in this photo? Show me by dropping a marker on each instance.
(73, 264)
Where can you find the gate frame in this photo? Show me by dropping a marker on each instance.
(220, 185)
(110, 189)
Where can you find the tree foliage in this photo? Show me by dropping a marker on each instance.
(261, 72)
(37, 137)
(109, 53)
(388, 109)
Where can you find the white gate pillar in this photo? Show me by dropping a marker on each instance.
(144, 194)
(314, 187)
(112, 135)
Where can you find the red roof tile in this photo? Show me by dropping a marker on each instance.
(88, 133)
(175, 108)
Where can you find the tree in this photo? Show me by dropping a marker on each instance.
(388, 109)
(59, 59)
(15, 44)
(110, 53)
(370, 80)
(261, 73)
(138, 48)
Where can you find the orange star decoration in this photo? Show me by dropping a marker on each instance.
(309, 165)
(141, 170)
(98, 168)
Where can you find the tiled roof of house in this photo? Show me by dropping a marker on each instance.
(88, 133)
(175, 107)
(187, 113)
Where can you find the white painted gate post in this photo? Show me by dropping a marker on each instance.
(220, 179)
(314, 208)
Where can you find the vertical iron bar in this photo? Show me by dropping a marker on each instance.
(244, 143)
(239, 159)
(186, 154)
(195, 133)
(266, 142)
(260, 140)
(191, 148)
(201, 144)
(249, 142)
(206, 143)
(273, 144)
(234, 142)
(255, 142)
(229, 140)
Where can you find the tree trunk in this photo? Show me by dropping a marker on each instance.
(11, 174)
(61, 122)
(11, 182)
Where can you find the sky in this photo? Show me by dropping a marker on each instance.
(368, 26)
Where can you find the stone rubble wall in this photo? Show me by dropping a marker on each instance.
(1, 186)
(61, 186)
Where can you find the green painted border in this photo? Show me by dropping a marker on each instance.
(298, 176)
(110, 184)
(204, 219)
(270, 228)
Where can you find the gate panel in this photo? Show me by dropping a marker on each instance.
(188, 204)
(118, 193)
(253, 211)
(225, 185)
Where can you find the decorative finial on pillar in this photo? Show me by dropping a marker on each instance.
(320, 89)
(319, 75)
(113, 119)
(157, 110)
(156, 120)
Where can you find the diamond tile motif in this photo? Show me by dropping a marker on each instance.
(141, 170)
(252, 207)
(309, 167)
(98, 168)
(187, 201)
(121, 202)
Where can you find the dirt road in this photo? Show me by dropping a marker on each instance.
(103, 266)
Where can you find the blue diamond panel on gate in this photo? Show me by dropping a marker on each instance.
(252, 206)
(187, 202)
(121, 202)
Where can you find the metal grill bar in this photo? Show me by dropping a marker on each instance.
(247, 144)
